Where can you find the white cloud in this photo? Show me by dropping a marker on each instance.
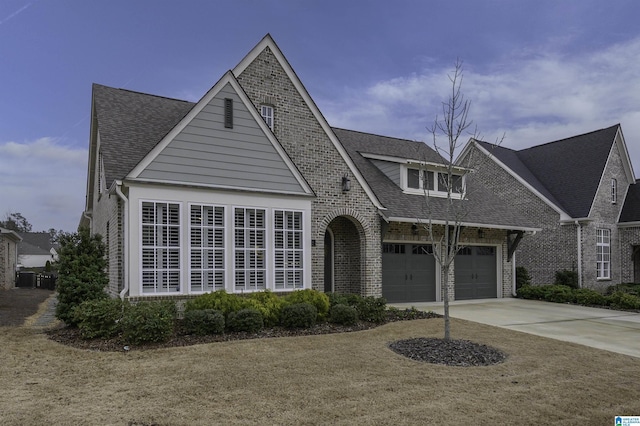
(45, 181)
(533, 98)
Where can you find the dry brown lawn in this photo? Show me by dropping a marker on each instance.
(349, 378)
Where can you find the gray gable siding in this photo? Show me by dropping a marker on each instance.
(205, 152)
(391, 170)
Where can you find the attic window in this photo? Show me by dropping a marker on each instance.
(267, 114)
(614, 191)
(433, 181)
(228, 113)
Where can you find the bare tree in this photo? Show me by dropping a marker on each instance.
(449, 131)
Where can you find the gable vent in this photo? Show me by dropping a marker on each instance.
(228, 113)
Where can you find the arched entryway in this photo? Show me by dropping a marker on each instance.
(343, 247)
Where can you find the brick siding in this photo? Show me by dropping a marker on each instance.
(307, 144)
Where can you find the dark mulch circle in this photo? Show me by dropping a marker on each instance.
(461, 353)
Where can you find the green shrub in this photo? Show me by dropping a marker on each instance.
(586, 296)
(535, 292)
(567, 278)
(522, 277)
(343, 314)
(217, 300)
(248, 319)
(149, 322)
(319, 300)
(81, 273)
(299, 315)
(269, 304)
(204, 321)
(630, 288)
(99, 318)
(372, 309)
(622, 300)
(336, 299)
(558, 294)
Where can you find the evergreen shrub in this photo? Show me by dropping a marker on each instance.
(299, 315)
(247, 319)
(204, 321)
(145, 322)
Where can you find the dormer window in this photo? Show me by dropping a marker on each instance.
(267, 114)
(614, 191)
(434, 182)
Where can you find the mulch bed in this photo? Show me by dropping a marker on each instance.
(432, 350)
(18, 304)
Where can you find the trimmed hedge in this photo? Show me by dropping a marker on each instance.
(299, 315)
(581, 296)
(218, 300)
(248, 319)
(99, 318)
(149, 322)
(370, 309)
(313, 297)
(204, 321)
(343, 314)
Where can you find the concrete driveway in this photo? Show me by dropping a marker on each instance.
(614, 331)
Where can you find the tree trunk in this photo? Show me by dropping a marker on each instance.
(447, 320)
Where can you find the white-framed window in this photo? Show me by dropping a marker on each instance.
(267, 114)
(288, 250)
(614, 191)
(250, 249)
(206, 248)
(436, 182)
(160, 229)
(603, 253)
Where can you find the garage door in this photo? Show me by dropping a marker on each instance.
(475, 272)
(408, 273)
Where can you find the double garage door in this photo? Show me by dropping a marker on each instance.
(409, 273)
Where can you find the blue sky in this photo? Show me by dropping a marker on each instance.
(536, 71)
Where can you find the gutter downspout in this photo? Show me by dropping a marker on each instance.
(514, 292)
(125, 246)
(86, 216)
(579, 236)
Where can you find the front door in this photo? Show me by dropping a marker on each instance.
(475, 273)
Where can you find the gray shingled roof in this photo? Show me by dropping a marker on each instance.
(631, 208)
(567, 172)
(481, 207)
(131, 124)
(35, 243)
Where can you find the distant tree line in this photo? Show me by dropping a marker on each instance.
(15, 221)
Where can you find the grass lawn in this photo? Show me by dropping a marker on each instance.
(349, 378)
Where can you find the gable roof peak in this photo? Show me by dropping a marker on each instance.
(575, 137)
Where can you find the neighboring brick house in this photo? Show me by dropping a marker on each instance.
(581, 192)
(8, 257)
(250, 189)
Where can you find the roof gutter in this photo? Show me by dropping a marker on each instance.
(125, 230)
(467, 224)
